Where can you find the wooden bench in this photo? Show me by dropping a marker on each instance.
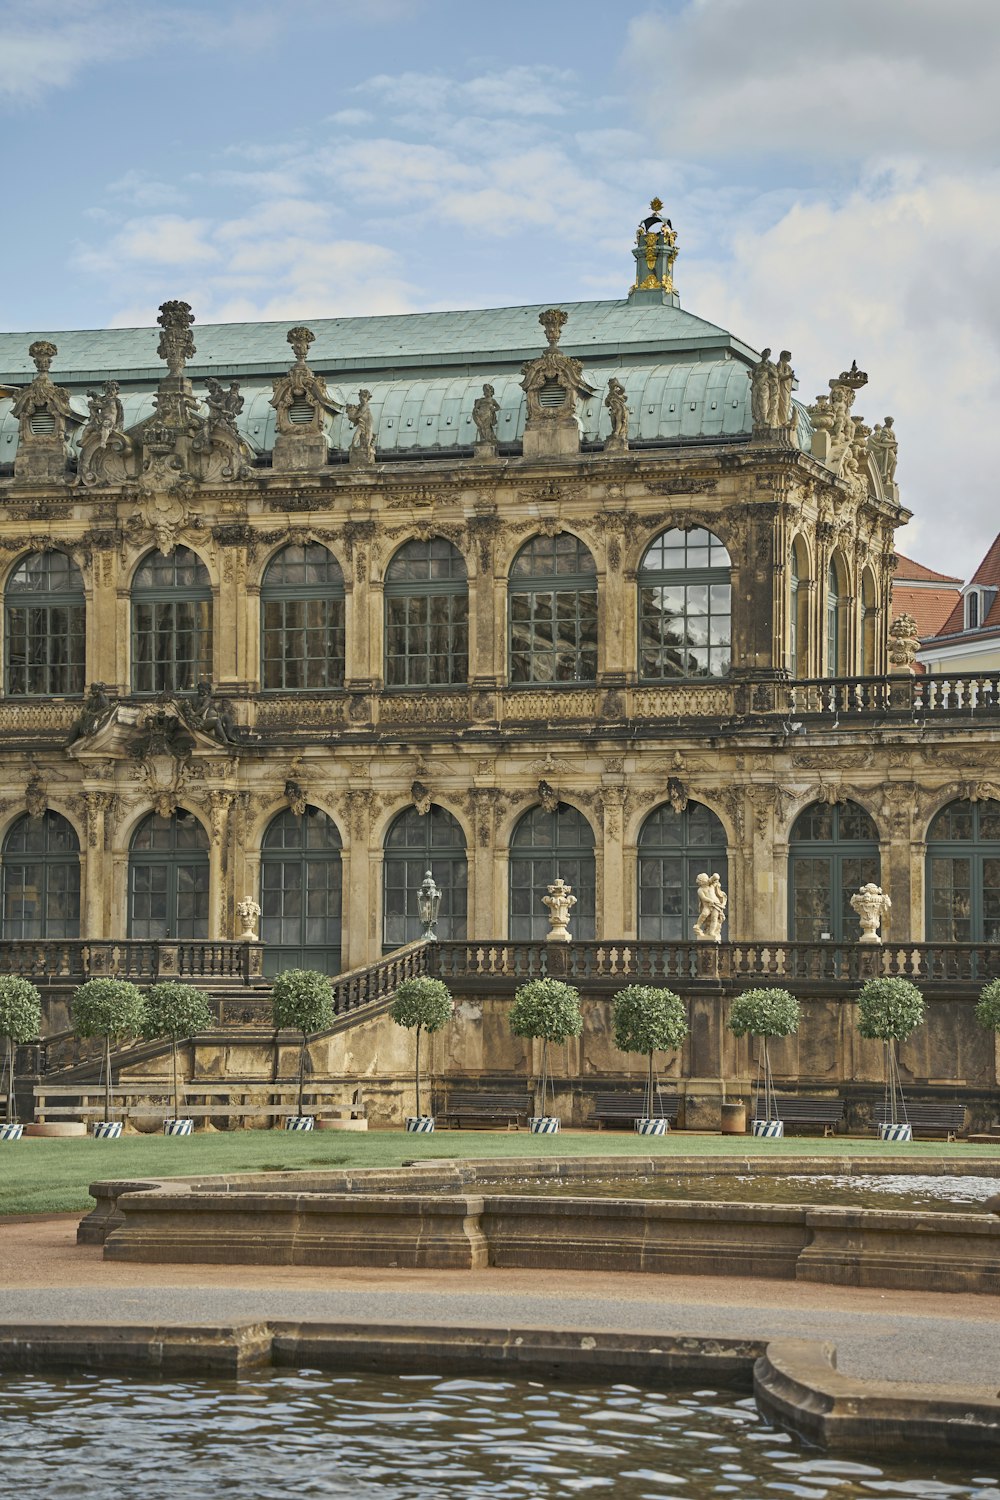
(486, 1107)
(928, 1118)
(797, 1109)
(622, 1109)
(155, 1101)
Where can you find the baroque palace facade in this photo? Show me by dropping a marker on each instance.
(456, 591)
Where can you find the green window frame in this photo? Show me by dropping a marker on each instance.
(168, 878)
(171, 623)
(963, 873)
(40, 878)
(413, 845)
(44, 628)
(685, 607)
(302, 607)
(674, 848)
(301, 892)
(832, 852)
(426, 616)
(543, 847)
(552, 632)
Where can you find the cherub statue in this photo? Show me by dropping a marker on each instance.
(360, 418)
(223, 406)
(712, 902)
(485, 410)
(107, 415)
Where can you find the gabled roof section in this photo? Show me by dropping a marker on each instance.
(988, 572)
(908, 571)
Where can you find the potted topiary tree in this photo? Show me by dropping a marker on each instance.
(175, 1011)
(421, 1004)
(112, 1009)
(764, 1014)
(546, 1010)
(888, 1011)
(649, 1020)
(20, 1020)
(301, 1000)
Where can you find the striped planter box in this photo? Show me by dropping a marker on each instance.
(300, 1122)
(106, 1130)
(651, 1127)
(420, 1124)
(773, 1130)
(898, 1132)
(543, 1124)
(178, 1127)
(12, 1132)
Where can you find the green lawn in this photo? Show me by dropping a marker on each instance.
(52, 1176)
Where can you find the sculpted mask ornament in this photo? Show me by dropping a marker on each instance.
(871, 903)
(297, 797)
(548, 797)
(712, 902)
(35, 798)
(421, 798)
(560, 902)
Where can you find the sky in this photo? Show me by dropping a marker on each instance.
(831, 170)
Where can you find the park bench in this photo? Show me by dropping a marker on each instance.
(487, 1107)
(928, 1118)
(798, 1109)
(622, 1109)
(153, 1100)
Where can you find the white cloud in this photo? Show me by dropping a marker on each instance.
(139, 189)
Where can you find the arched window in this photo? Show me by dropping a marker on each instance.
(685, 607)
(302, 620)
(41, 878)
(547, 845)
(832, 853)
(963, 874)
(836, 619)
(869, 624)
(674, 849)
(552, 607)
(798, 610)
(426, 616)
(44, 629)
(414, 845)
(168, 878)
(300, 892)
(171, 623)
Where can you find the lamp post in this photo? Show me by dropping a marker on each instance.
(428, 906)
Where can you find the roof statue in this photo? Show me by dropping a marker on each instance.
(616, 403)
(883, 447)
(104, 444)
(485, 410)
(176, 344)
(359, 415)
(655, 252)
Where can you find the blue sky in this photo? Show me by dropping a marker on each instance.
(831, 171)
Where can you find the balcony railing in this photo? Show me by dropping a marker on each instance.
(965, 693)
(71, 961)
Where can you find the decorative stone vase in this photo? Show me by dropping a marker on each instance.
(651, 1127)
(420, 1124)
(300, 1122)
(543, 1124)
(178, 1127)
(898, 1132)
(773, 1130)
(106, 1130)
(11, 1132)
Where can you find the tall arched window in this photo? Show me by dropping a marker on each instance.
(832, 853)
(685, 607)
(302, 620)
(963, 874)
(300, 892)
(798, 610)
(547, 845)
(168, 878)
(836, 619)
(414, 845)
(869, 624)
(171, 623)
(552, 607)
(44, 627)
(674, 849)
(41, 878)
(426, 616)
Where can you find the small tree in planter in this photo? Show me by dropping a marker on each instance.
(301, 1000)
(547, 1010)
(988, 1009)
(176, 1011)
(765, 1014)
(112, 1009)
(888, 1011)
(20, 1020)
(421, 1004)
(649, 1020)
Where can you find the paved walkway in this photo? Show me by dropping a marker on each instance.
(934, 1337)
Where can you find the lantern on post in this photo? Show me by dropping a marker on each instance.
(428, 906)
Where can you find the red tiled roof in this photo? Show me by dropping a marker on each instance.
(906, 569)
(931, 608)
(988, 572)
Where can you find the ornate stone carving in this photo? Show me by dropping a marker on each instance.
(301, 403)
(248, 912)
(211, 715)
(219, 803)
(614, 800)
(904, 643)
(712, 902)
(553, 384)
(360, 805)
(548, 797)
(362, 450)
(771, 407)
(297, 796)
(96, 805)
(483, 530)
(421, 798)
(35, 797)
(485, 410)
(871, 903)
(655, 252)
(616, 403)
(560, 902)
(43, 413)
(883, 447)
(677, 794)
(225, 454)
(105, 447)
(833, 425)
(176, 344)
(96, 712)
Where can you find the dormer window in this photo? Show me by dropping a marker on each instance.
(971, 611)
(978, 603)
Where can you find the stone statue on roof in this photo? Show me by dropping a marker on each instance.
(784, 376)
(485, 410)
(883, 447)
(104, 444)
(616, 403)
(763, 392)
(360, 417)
